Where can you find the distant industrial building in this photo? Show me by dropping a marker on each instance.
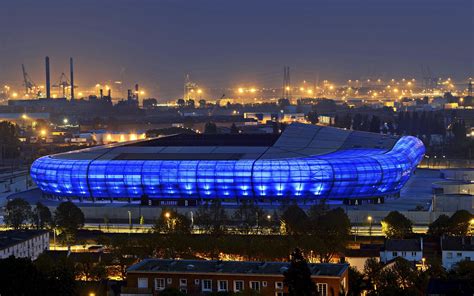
(198, 277)
(23, 243)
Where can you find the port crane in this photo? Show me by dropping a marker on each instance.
(30, 86)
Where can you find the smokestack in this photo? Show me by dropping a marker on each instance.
(48, 82)
(109, 93)
(101, 93)
(71, 67)
(136, 91)
(129, 94)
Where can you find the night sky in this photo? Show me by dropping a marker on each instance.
(227, 43)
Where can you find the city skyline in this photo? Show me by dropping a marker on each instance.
(232, 44)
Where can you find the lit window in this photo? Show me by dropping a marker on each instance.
(143, 283)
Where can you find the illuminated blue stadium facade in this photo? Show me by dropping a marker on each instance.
(305, 162)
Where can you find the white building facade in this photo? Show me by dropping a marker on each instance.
(23, 244)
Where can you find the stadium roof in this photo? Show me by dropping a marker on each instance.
(297, 140)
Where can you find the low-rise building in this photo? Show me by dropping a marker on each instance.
(195, 277)
(409, 249)
(23, 243)
(456, 249)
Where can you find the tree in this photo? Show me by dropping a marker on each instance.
(375, 124)
(212, 217)
(295, 220)
(9, 142)
(233, 129)
(312, 117)
(396, 225)
(356, 282)
(68, 219)
(439, 226)
(172, 222)
(298, 276)
(330, 232)
(210, 128)
(41, 216)
(459, 223)
(249, 215)
(17, 213)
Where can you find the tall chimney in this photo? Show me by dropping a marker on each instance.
(101, 92)
(71, 67)
(136, 91)
(109, 93)
(48, 82)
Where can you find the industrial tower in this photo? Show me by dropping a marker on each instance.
(286, 83)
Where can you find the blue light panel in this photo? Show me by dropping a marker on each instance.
(351, 173)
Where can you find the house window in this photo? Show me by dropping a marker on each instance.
(264, 284)
(143, 283)
(206, 285)
(169, 281)
(279, 294)
(413, 254)
(279, 285)
(449, 255)
(222, 286)
(255, 286)
(322, 289)
(459, 254)
(183, 290)
(394, 254)
(196, 282)
(159, 284)
(404, 254)
(238, 286)
(183, 282)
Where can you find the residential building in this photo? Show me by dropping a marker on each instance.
(23, 243)
(409, 249)
(456, 249)
(196, 277)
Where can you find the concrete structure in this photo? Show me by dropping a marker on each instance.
(198, 277)
(23, 243)
(456, 249)
(409, 249)
(305, 162)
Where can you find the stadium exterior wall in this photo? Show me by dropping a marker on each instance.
(344, 174)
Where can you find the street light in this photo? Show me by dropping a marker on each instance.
(370, 227)
(130, 220)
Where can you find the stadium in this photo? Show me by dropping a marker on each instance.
(304, 162)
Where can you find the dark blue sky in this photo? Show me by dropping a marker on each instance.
(230, 43)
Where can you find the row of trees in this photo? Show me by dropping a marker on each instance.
(67, 219)
(9, 142)
(402, 278)
(396, 225)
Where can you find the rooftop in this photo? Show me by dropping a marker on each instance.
(402, 245)
(457, 243)
(211, 140)
(230, 267)
(13, 237)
